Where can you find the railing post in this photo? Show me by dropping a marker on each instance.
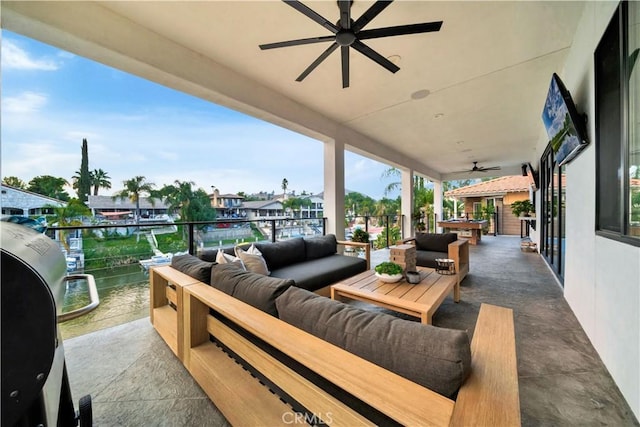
(324, 225)
(273, 230)
(191, 239)
(387, 228)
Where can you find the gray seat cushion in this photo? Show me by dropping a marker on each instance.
(436, 358)
(435, 242)
(193, 266)
(428, 258)
(255, 289)
(318, 273)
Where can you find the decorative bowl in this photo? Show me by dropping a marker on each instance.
(389, 278)
(413, 277)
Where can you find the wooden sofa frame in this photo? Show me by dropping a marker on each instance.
(458, 252)
(250, 386)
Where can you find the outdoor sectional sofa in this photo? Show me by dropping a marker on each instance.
(431, 246)
(269, 353)
(313, 263)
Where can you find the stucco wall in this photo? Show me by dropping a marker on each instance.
(602, 276)
(24, 200)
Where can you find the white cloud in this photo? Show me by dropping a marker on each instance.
(13, 57)
(65, 55)
(167, 155)
(26, 102)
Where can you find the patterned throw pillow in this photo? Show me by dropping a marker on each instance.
(253, 260)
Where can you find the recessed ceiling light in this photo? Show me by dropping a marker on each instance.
(438, 115)
(420, 94)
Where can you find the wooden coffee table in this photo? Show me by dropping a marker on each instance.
(420, 300)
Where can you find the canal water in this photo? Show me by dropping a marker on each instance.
(124, 297)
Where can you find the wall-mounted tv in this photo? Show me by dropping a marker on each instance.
(565, 126)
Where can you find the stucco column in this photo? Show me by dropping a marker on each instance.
(406, 204)
(334, 187)
(437, 202)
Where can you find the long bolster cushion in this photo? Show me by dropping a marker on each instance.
(318, 273)
(255, 289)
(193, 266)
(436, 358)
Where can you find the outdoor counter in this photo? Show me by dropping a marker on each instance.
(471, 230)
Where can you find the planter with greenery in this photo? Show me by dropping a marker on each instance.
(522, 208)
(389, 271)
(359, 235)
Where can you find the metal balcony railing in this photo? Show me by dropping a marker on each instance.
(118, 253)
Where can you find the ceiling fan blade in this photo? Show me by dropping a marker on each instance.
(309, 13)
(317, 62)
(374, 56)
(345, 66)
(345, 13)
(492, 168)
(371, 13)
(400, 30)
(298, 42)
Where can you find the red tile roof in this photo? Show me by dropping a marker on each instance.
(498, 186)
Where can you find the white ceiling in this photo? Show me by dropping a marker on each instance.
(487, 70)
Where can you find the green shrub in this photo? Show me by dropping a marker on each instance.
(389, 268)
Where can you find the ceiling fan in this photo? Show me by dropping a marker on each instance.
(349, 33)
(477, 168)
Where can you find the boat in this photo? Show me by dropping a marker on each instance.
(156, 260)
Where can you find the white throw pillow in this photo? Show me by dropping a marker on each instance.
(253, 260)
(224, 258)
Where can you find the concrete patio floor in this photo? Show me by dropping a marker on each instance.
(134, 379)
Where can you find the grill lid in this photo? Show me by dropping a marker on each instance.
(33, 269)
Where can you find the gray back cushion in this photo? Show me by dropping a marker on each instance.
(283, 253)
(320, 247)
(208, 255)
(435, 242)
(436, 358)
(193, 266)
(255, 289)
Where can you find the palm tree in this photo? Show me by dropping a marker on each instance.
(178, 196)
(68, 215)
(133, 188)
(284, 186)
(391, 172)
(100, 179)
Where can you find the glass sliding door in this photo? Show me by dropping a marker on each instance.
(552, 217)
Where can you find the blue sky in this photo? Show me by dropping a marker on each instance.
(52, 99)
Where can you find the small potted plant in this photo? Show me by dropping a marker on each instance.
(388, 271)
(522, 208)
(359, 235)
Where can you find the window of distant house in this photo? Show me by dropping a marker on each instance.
(477, 210)
(617, 90)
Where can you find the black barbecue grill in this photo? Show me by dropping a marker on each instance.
(35, 386)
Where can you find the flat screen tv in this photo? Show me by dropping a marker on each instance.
(565, 126)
